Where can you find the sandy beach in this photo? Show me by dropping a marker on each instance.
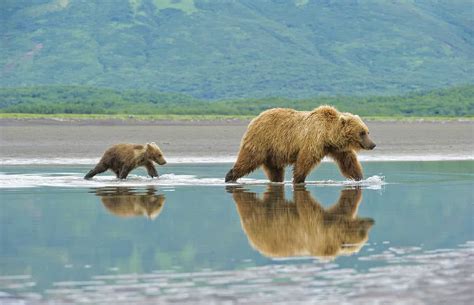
(215, 140)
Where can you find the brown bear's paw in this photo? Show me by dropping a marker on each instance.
(356, 176)
(233, 189)
(230, 177)
(298, 180)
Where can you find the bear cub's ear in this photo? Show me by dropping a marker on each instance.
(151, 145)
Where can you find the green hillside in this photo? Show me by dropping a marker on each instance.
(454, 102)
(244, 48)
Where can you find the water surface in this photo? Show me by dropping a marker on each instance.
(189, 238)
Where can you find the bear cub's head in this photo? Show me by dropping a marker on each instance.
(153, 152)
(357, 133)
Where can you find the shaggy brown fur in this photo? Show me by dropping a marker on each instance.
(124, 202)
(123, 158)
(278, 227)
(280, 137)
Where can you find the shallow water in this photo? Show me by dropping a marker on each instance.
(403, 235)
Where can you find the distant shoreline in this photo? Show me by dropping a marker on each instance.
(216, 140)
(20, 119)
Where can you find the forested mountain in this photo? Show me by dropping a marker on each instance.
(239, 48)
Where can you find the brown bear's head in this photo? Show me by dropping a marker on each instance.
(154, 153)
(355, 133)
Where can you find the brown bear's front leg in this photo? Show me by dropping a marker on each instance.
(348, 164)
(308, 205)
(347, 203)
(150, 168)
(99, 168)
(304, 164)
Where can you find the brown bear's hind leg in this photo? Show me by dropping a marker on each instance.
(274, 174)
(99, 168)
(245, 164)
(348, 164)
(150, 168)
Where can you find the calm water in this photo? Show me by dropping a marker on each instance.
(189, 238)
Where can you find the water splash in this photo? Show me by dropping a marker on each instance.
(68, 179)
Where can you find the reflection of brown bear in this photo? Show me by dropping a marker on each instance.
(279, 137)
(125, 202)
(277, 227)
(123, 158)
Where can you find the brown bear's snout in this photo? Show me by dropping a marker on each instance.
(162, 162)
(367, 143)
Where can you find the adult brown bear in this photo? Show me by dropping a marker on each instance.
(280, 137)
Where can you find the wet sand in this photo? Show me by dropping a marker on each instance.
(216, 139)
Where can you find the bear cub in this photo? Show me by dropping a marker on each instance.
(123, 158)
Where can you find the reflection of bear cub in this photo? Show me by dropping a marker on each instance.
(277, 227)
(124, 202)
(123, 158)
(279, 137)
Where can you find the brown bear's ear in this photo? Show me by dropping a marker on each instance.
(343, 120)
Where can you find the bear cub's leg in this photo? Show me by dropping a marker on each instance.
(99, 168)
(124, 171)
(150, 168)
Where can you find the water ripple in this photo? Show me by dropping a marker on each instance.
(417, 277)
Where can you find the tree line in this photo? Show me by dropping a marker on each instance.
(454, 102)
